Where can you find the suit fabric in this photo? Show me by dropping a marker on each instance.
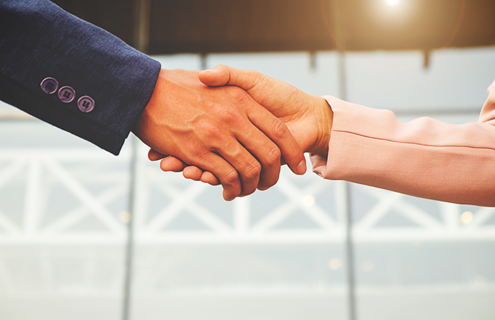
(39, 40)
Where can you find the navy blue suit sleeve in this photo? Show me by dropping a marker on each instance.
(38, 40)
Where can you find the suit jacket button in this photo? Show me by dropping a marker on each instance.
(49, 85)
(66, 94)
(86, 104)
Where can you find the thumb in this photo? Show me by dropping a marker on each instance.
(216, 77)
(224, 75)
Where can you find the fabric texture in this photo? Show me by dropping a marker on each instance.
(38, 40)
(423, 158)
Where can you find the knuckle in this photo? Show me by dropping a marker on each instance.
(252, 171)
(209, 131)
(279, 128)
(231, 115)
(228, 114)
(254, 74)
(231, 178)
(273, 155)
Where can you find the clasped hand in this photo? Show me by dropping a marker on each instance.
(232, 127)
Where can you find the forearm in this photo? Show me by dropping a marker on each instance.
(40, 40)
(424, 158)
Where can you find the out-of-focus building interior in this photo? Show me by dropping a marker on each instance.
(87, 235)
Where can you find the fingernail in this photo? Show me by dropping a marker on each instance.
(301, 167)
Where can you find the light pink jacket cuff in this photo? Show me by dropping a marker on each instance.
(424, 158)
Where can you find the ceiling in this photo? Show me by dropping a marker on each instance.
(207, 26)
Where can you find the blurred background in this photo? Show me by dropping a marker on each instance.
(86, 235)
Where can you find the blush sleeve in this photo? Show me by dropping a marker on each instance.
(423, 158)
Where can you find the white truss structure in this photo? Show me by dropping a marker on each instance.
(81, 172)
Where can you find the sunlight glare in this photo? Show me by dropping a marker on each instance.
(392, 3)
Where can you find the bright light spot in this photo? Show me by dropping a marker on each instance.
(334, 264)
(466, 217)
(392, 3)
(309, 200)
(368, 265)
(125, 217)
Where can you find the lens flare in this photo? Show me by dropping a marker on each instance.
(392, 3)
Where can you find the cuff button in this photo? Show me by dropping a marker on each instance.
(86, 104)
(49, 85)
(66, 94)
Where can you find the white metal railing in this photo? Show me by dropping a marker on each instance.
(89, 178)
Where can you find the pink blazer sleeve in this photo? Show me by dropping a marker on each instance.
(424, 158)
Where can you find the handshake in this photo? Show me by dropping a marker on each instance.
(232, 127)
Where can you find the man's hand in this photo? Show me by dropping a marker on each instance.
(308, 117)
(221, 130)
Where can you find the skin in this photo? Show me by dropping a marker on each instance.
(308, 117)
(219, 129)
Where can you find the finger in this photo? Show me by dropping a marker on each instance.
(192, 173)
(171, 164)
(208, 177)
(154, 155)
(267, 153)
(247, 166)
(225, 172)
(195, 173)
(278, 132)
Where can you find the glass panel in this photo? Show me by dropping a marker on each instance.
(421, 259)
(62, 230)
(181, 61)
(456, 79)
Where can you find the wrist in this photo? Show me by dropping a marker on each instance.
(148, 117)
(323, 123)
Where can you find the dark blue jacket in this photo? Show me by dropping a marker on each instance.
(83, 64)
